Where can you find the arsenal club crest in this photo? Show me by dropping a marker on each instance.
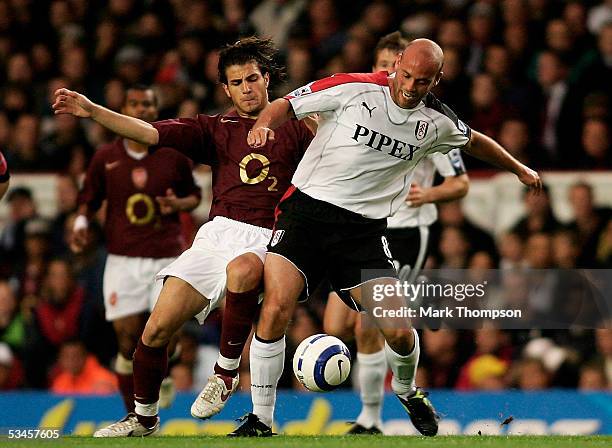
(420, 131)
(139, 177)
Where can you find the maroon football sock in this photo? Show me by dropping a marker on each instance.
(126, 387)
(241, 309)
(150, 367)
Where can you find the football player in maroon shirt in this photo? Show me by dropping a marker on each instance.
(227, 255)
(4, 176)
(144, 193)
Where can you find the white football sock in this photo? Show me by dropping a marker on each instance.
(228, 363)
(267, 362)
(403, 368)
(123, 366)
(371, 378)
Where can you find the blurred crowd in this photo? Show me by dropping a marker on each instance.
(534, 74)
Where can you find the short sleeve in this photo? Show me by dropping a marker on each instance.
(450, 164)
(94, 186)
(451, 131)
(190, 136)
(4, 171)
(324, 95)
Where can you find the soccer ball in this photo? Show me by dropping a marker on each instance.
(321, 362)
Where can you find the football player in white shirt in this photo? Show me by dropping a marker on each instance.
(373, 130)
(408, 235)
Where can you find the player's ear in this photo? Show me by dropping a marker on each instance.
(267, 79)
(398, 58)
(227, 92)
(438, 77)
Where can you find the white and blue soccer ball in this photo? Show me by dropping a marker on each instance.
(321, 362)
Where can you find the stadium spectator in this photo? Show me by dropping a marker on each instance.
(57, 319)
(515, 135)
(22, 208)
(589, 221)
(11, 371)
(596, 152)
(12, 330)
(442, 358)
(540, 216)
(565, 249)
(79, 372)
(603, 342)
(593, 377)
(532, 375)
(604, 247)
(451, 214)
(511, 248)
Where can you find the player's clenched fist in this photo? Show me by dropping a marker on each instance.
(70, 102)
(530, 178)
(259, 137)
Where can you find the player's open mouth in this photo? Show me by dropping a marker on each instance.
(408, 96)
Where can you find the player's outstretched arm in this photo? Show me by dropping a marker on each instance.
(70, 102)
(273, 115)
(488, 150)
(453, 187)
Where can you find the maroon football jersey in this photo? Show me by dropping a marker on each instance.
(247, 183)
(134, 226)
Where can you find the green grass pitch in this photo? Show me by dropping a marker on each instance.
(320, 442)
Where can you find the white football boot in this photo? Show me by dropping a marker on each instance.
(213, 397)
(127, 427)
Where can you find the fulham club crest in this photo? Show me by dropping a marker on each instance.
(278, 235)
(420, 131)
(139, 177)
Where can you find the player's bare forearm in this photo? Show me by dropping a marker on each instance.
(454, 187)
(125, 126)
(71, 102)
(485, 148)
(274, 115)
(188, 203)
(488, 150)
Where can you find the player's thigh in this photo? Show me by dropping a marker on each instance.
(283, 284)
(177, 303)
(362, 256)
(339, 319)
(203, 266)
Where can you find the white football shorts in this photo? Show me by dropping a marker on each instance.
(216, 244)
(129, 285)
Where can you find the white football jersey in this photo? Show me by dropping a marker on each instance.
(366, 147)
(448, 165)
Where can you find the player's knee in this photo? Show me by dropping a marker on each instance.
(275, 316)
(400, 339)
(243, 274)
(156, 333)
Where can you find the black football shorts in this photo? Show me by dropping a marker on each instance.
(326, 241)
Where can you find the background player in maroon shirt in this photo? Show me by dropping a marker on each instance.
(144, 193)
(228, 251)
(4, 176)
